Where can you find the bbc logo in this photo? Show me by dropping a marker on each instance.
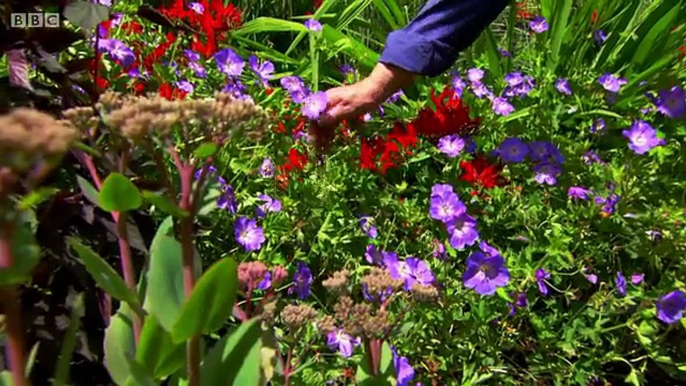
(34, 20)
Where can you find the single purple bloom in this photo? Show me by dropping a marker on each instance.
(485, 274)
(520, 302)
(442, 190)
(291, 83)
(592, 277)
(266, 282)
(488, 250)
(672, 103)
(481, 91)
(403, 371)
(446, 207)
(451, 145)
(562, 85)
(539, 24)
(313, 25)
(191, 55)
(267, 168)
(347, 70)
(389, 259)
(611, 83)
(197, 8)
(598, 126)
(269, 205)
(505, 53)
(367, 227)
(373, 255)
(458, 86)
(463, 232)
(642, 137)
(514, 78)
(578, 192)
(367, 117)
(590, 157)
(439, 250)
(394, 97)
(227, 199)
(263, 70)
(543, 151)
(654, 235)
(339, 340)
(518, 84)
(637, 278)
(314, 105)
(513, 149)
(302, 279)
(118, 52)
(620, 281)
(302, 136)
(475, 75)
(185, 86)
(229, 62)
(670, 307)
(412, 271)
(248, 234)
(198, 69)
(546, 173)
(599, 37)
(541, 276)
(502, 107)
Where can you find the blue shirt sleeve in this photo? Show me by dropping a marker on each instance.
(430, 43)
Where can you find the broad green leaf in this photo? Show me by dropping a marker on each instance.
(364, 372)
(386, 362)
(6, 378)
(85, 14)
(234, 360)
(119, 194)
(210, 303)
(165, 293)
(25, 256)
(138, 375)
(165, 203)
(157, 352)
(206, 150)
(119, 345)
(104, 274)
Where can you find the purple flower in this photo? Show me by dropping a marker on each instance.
(670, 307)
(543, 151)
(270, 205)
(504, 52)
(248, 234)
(313, 25)
(501, 106)
(373, 255)
(403, 371)
(637, 278)
(235, 88)
(367, 227)
(389, 259)
(599, 37)
(488, 250)
(620, 281)
(198, 69)
(562, 85)
(475, 75)
(654, 235)
(451, 145)
(547, 172)
(458, 86)
(590, 157)
(263, 70)
(672, 103)
(446, 207)
(513, 149)
(539, 24)
(378, 296)
(296, 88)
(611, 83)
(339, 340)
(267, 168)
(118, 51)
(520, 302)
(197, 8)
(481, 91)
(578, 192)
(229, 62)
(301, 281)
(227, 199)
(266, 282)
(412, 271)
(484, 274)
(591, 277)
(314, 105)
(598, 126)
(642, 137)
(394, 97)
(463, 232)
(609, 204)
(541, 276)
(191, 55)
(518, 84)
(439, 250)
(185, 86)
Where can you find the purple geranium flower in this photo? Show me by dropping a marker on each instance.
(484, 274)
(518, 84)
(611, 83)
(439, 251)
(541, 276)
(672, 102)
(458, 86)
(446, 207)
(118, 51)
(501, 106)
(367, 227)
(609, 204)
(578, 192)
(191, 55)
(229, 62)
(302, 279)
(620, 281)
(513, 149)
(463, 232)
(451, 145)
(543, 151)
(599, 36)
(198, 69)
(475, 75)
(227, 199)
(539, 24)
(591, 157)
(637, 278)
(267, 168)
(481, 91)
(314, 105)
(373, 255)
(670, 307)
(269, 205)
(488, 250)
(313, 25)
(642, 137)
(266, 282)
(520, 302)
(263, 70)
(185, 86)
(591, 277)
(248, 234)
(412, 271)
(197, 8)
(403, 371)
(504, 52)
(547, 172)
(562, 85)
(339, 340)
(598, 126)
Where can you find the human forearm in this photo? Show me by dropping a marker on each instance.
(385, 80)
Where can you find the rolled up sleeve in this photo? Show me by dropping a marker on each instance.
(430, 43)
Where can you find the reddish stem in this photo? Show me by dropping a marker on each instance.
(287, 370)
(248, 300)
(127, 264)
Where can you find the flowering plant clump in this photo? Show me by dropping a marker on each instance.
(519, 220)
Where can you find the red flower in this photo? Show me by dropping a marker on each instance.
(317, 3)
(682, 49)
(169, 92)
(594, 17)
(481, 173)
(297, 159)
(522, 12)
(132, 27)
(450, 117)
(382, 154)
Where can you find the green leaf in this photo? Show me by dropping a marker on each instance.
(103, 274)
(164, 293)
(88, 190)
(25, 254)
(210, 303)
(138, 375)
(119, 194)
(157, 352)
(35, 197)
(386, 362)
(119, 345)
(69, 342)
(234, 360)
(6, 378)
(269, 24)
(206, 150)
(165, 203)
(85, 14)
